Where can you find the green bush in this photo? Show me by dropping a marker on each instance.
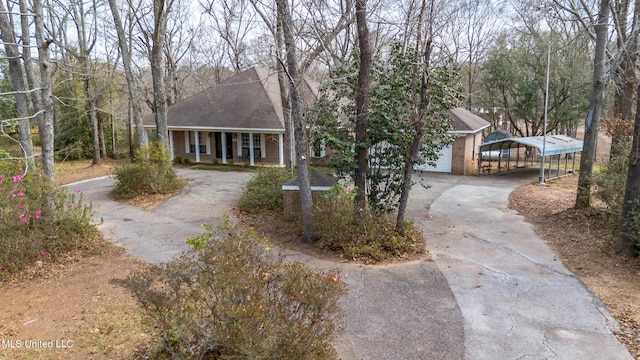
(610, 182)
(365, 235)
(264, 191)
(632, 226)
(225, 300)
(39, 221)
(150, 173)
(181, 161)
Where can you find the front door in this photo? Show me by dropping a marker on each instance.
(229, 137)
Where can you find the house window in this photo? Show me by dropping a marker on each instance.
(202, 142)
(257, 145)
(318, 151)
(256, 141)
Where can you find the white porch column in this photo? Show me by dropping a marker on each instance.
(197, 138)
(251, 152)
(171, 154)
(281, 149)
(223, 144)
(146, 137)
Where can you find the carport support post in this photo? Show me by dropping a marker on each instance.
(544, 132)
(223, 144)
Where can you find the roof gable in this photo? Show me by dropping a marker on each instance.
(464, 121)
(249, 100)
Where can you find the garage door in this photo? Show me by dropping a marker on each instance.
(443, 164)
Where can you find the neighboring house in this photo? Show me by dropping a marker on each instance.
(460, 158)
(239, 119)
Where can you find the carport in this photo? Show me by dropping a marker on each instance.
(558, 152)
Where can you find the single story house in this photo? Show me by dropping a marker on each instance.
(238, 119)
(241, 119)
(461, 157)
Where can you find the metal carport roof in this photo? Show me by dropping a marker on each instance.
(554, 144)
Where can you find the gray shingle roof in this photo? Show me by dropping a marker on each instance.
(249, 100)
(465, 121)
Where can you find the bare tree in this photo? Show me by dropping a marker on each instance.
(284, 98)
(478, 33)
(32, 80)
(131, 79)
(306, 200)
(234, 22)
(11, 47)
(46, 126)
(179, 42)
(87, 31)
(161, 10)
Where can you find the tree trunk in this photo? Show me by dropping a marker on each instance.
(32, 81)
(160, 11)
(284, 98)
(93, 118)
(15, 70)
(132, 86)
(103, 145)
(583, 197)
(306, 200)
(46, 127)
(418, 121)
(362, 104)
(628, 236)
(625, 80)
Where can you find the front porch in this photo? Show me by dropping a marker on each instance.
(224, 146)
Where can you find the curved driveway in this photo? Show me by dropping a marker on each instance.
(494, 291)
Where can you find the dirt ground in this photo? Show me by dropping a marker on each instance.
(74, 306)
(70, 309)
(580, 239)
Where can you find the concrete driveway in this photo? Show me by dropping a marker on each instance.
(493, 291)
(517, 299)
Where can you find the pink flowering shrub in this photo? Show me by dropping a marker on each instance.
(229, 298)
(38, 221)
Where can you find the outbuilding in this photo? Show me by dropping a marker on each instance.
(460, 158)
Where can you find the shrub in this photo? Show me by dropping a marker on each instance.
(39, 221)
(610, 183)
(224, 300)
(182, 161)
(632, 226)
(264, 191)
(150, 173)
(362, 234)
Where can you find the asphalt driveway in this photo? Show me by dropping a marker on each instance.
(493, 291)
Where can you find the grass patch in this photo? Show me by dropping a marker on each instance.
(10, 145)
